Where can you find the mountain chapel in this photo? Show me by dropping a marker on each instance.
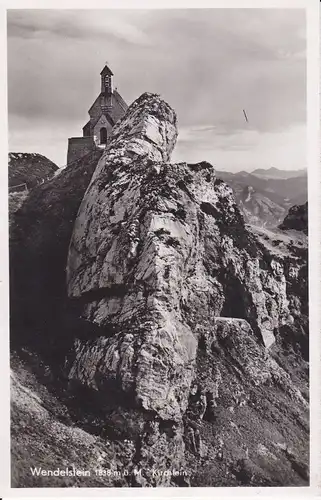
(106, 110)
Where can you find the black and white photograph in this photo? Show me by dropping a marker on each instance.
(158, 248)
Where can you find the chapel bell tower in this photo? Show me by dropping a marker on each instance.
(106, 81)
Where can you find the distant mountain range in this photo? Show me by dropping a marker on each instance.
(275, 173)
(265, 196)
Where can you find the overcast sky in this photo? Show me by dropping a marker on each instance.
(208, 64)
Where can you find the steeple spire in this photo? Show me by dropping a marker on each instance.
(106, 80)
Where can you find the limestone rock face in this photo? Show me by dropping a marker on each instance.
(182, 343)
(159, 251)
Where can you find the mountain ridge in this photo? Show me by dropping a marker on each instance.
(274, 172)
(265, 201)
(30, 169)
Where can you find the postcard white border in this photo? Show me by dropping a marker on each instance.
(314, 197)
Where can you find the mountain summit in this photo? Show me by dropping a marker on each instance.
(168, 339)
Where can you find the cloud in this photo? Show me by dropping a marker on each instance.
(72, 24)
(208, 64)
(49, 139)
(243, 149)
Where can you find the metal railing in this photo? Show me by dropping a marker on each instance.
(18, 188)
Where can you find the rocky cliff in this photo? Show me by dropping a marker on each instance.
(39, 238)
(195, 345)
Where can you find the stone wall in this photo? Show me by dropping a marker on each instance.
(79, 147)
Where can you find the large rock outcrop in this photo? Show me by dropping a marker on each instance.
(188, 311)
(297, 218)
(159, 256)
